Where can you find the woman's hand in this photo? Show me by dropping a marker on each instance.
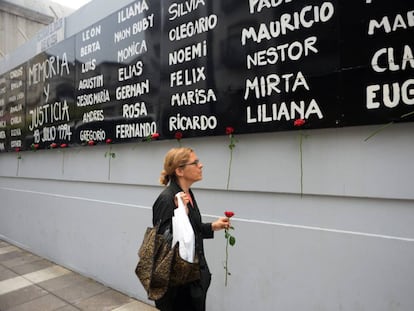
(220, 224)
(185, 197)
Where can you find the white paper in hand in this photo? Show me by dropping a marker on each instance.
(183, 231)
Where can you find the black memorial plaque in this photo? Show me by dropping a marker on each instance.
(377, 49)
(199, 66)
(12, 109)
(189, 98)
(3, 113)
(117, 76)
(50, 111)
(256, 66)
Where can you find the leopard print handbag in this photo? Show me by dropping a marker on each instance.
(160, 266)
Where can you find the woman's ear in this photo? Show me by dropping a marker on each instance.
(179, 172)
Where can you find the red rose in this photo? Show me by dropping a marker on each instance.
(53, 145)
(17, 149)
(155, 136)
(108, 141)
(230, 240)
(63, 145)
(229, 130)
(299, 122)
(178, 135)
(91, 143)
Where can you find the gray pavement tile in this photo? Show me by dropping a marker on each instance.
(44, 303)
(136, 306)
(105, 301)
(32, 266)
(70, 292)
(9, 256)
(6, 273)
(3, 243)
(20, 296)
(83, 290)
(68, 308)
(25, 258)
(63, 281)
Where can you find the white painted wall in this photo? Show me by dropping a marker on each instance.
(347, 244)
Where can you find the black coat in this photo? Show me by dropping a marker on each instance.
(191, 296)
(163, 211)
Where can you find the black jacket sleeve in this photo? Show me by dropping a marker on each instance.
(163, 211)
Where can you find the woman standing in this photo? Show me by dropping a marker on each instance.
(181, 169)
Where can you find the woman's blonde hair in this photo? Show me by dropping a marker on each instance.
(174, 158)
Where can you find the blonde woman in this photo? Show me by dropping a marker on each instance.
(182, 168)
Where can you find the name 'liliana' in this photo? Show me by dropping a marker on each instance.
(277, 112)
(132, 11)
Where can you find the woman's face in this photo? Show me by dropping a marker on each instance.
(192, 171)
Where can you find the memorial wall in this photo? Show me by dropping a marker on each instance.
(197, 67)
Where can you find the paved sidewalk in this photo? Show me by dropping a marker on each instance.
(31, 283)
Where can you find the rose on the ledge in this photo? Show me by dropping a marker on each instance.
(19, 157)
(299, 123)
(230, 240)
(91, 143)
(232, 144)
(17, 150)
(178, 136)
(383, 127)
(153, 136)
(109, 153)
(63, 145)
